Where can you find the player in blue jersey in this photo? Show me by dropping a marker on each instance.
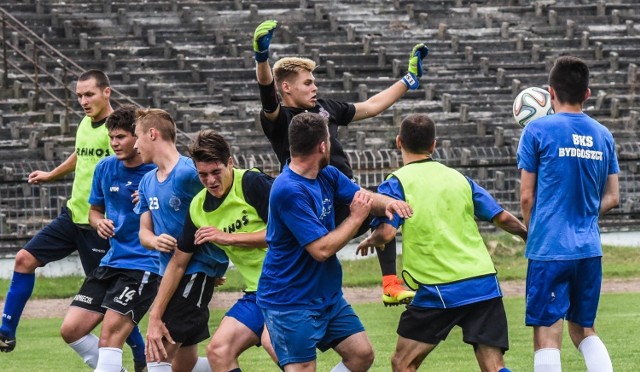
(229, 214)
(120, 290)
(569, 177)
(300, 287)
(293, 78)
(165, 195)
(444, 256)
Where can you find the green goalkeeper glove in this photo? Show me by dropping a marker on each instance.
(418, 53)
(262, 38)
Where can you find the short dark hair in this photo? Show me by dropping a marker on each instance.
(417, 133)
(159, 119)
(124, 117)
(209, 146)
(306, 131)
(102, 81)
(569, 77)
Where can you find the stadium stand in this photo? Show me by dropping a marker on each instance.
(193, 58)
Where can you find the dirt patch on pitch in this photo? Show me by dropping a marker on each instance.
(56, 308)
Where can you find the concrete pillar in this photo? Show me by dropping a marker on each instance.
(615, 108)
(151, 38)
(520, 42)
(455, 43)
(122, 17)
(430, 92)
(615, 17)
(97, 51)
(315, 55)
(484, 65)
(446, 102)
(84, 40)
(397, 116)
(598, 51)
(168, 49)
(136, 28)
(464, 113)
(442, 31)
(301, 45)
(362, 92)
(196, 73)
(468, 54)
(111, 62)
(630, 27)
(248, 59)
(535, 53)
(226, 97)
(499, 137)
(504, 30)
(126, 75)
(614, 59)
(68, 29)
(396, 66)
(500, 76)
(553, 18)
(584, 41)
(571, 29)
(632, 73)
(465, 157)
(186, 123)
(347, 81)
(180, 61)
(516, 87)
(382, 56)
(48, 112)
(211, 85)
(142, 88)
(200, 26)
(331, 69)
(601, 8)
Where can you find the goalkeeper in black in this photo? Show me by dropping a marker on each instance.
(293, 79)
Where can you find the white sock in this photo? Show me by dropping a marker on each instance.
(109, 360)
(158, 367)
(202, 365)
(547, 360)
(87, 348)
(595, 354)
(340, 367)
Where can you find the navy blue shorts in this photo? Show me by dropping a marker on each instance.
(568, 289)
(247, 312)
(295, 334)
(61, 237)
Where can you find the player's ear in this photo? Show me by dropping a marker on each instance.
(230, 162)
(398, 142)
(587, 94)
(432, 148)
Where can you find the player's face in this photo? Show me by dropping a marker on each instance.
(216, 177)
(94, 101)
(303, 90)
(122, 142)
(144, 144)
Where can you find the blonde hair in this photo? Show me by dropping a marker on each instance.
(286, 67)
(158, 119)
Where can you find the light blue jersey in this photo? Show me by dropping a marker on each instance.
(572, 156)
(168, 201)
(112, 189)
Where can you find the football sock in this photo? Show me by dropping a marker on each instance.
(19, 292)
(158, 367)
(340, 367)
(504, 369)
(136, 342)
(595, 354)
(109, 359)
(202, 365)
(87, 348)
(547, 360)
(387, 258)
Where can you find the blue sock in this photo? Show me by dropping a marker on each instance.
(504, 369)
(19, 292)
(136, 342)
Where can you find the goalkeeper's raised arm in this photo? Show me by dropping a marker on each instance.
(261, 41)
(410, 81)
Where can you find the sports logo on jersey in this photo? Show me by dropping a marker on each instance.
(175, 203)
(324, 113)
(327, 208)
(84, 151)
(114, 188)
(83, 298)
(238, 224)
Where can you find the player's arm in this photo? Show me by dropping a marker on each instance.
(268, 96)
(163, 243)
(384, 205)
(328, 245)
(104, 226)
(611, 195)
(214, 235)
(66, 167)
(509, 223)
(156, 330)
(383, 100)
(527, 194)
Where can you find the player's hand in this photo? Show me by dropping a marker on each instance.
(219, 280)
(361, 205)
(367, 247)
(262, 38)
(38, 177)
(399, 207)
(105, 228)
(156, 331)
(418, 53)
(165, 243)
(135, 198)
(211, 234)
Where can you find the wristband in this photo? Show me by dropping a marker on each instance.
(411, 81)
(262, 56)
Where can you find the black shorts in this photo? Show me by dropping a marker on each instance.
(483, 323)
(62, 236)
(187, 313)
(124, 291)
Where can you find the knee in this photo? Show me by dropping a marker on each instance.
(361, 360)
(69, 333)
(217, 351)
(25, 262)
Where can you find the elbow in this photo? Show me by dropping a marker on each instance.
(321, 256)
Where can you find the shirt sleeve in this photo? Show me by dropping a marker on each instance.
(257, 187)
(393, 189)
(527, 155)
(143, 205)
(485, 207)
(345, 188)
(96, 196)
(295, 207)
(186, 240)
(614, 167)
(343, 112)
